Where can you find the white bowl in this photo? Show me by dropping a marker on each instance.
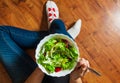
(41, 43)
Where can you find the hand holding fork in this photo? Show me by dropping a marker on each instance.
(83, 67)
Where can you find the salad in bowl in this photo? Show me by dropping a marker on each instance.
(56, 55)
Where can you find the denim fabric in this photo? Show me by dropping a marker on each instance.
(57, 26)
(12, 41)
(17, 63)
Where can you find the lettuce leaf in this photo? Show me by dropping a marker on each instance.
(57, 53)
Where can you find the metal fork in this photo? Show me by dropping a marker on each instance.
(94, 71)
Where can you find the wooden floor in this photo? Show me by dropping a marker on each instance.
(99, 40)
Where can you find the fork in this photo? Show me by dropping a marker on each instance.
(94, 71)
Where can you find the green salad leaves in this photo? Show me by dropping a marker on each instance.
(57, 54)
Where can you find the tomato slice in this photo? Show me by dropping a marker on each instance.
(57, 69)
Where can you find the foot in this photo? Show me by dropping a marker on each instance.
(52, 11)
(75, 29)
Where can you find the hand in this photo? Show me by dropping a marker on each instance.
(79, 71)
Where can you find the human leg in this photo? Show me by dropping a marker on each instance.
(53, 13)
(75, 29)
(25, 38)
(58, 26)
(18, 64)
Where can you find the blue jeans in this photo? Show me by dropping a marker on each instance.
(19, 64)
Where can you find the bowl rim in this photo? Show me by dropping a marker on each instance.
(44, 40)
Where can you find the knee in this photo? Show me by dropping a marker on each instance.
(57, 24)
(57, 21)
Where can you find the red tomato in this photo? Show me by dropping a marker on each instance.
(57, 69)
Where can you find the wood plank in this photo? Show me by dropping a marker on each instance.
(99, 38)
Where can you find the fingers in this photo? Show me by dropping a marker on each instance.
(88, 65)
(82, 66)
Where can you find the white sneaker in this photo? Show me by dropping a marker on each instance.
(52, 11)
(75, 29)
